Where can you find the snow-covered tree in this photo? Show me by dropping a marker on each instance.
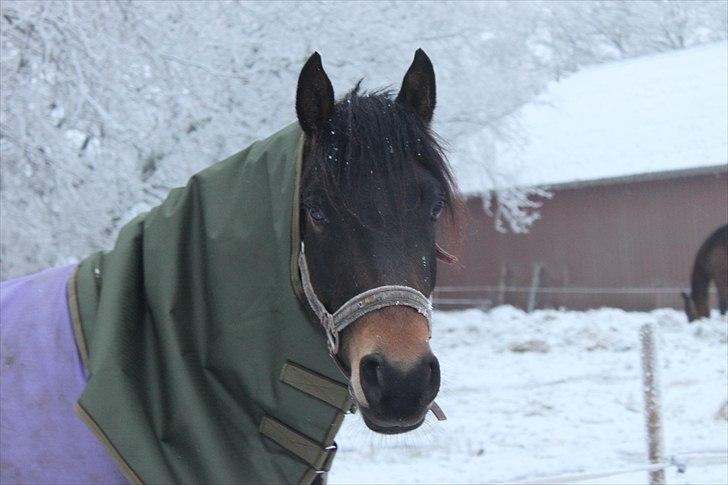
(108, 105)
(576, 34)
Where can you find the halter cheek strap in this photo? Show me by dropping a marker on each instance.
(361, 304)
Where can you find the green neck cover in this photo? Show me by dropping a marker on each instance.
(203, 365)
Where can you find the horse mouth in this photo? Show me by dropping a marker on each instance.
(391, 429)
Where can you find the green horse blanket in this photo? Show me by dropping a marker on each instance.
(203, 365)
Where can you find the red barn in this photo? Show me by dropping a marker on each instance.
(636, 156)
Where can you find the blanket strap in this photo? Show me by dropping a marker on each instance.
(319, 457)
(317, 386)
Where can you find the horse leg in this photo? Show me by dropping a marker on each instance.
(720, 279)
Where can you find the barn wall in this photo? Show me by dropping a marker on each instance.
(628, 235)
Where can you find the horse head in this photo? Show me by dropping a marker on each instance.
(375, 187)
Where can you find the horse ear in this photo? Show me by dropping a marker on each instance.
(418, 87)
(314, 96)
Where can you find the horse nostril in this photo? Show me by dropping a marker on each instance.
(371, 376)
(434, 371)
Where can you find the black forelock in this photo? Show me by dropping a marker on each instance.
(370, 133)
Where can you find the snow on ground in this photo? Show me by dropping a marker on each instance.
(532, 396)
(660, 112)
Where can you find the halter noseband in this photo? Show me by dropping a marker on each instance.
(361, 304)
(358, 306)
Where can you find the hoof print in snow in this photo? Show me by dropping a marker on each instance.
(722, 413)
(534, 345)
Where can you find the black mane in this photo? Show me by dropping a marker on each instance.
(370, 133)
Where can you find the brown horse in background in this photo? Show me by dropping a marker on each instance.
(711, 264)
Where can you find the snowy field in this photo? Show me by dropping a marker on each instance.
(553, 393)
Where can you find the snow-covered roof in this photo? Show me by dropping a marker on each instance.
(652, 114)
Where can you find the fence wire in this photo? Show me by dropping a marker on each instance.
(679, 461)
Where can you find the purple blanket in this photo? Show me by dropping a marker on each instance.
(41, 439)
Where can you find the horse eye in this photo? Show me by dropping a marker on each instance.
(317, 215)
(437, 209)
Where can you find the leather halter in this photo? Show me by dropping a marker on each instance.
(358, 306)
(361, 304)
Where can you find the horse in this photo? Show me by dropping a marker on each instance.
(231, 328)
(711, 264)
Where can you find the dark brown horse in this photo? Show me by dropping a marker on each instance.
(375, 183)
(711, 264)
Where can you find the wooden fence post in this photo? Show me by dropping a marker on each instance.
(650, 387)
(502, 283)
(535, 283)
